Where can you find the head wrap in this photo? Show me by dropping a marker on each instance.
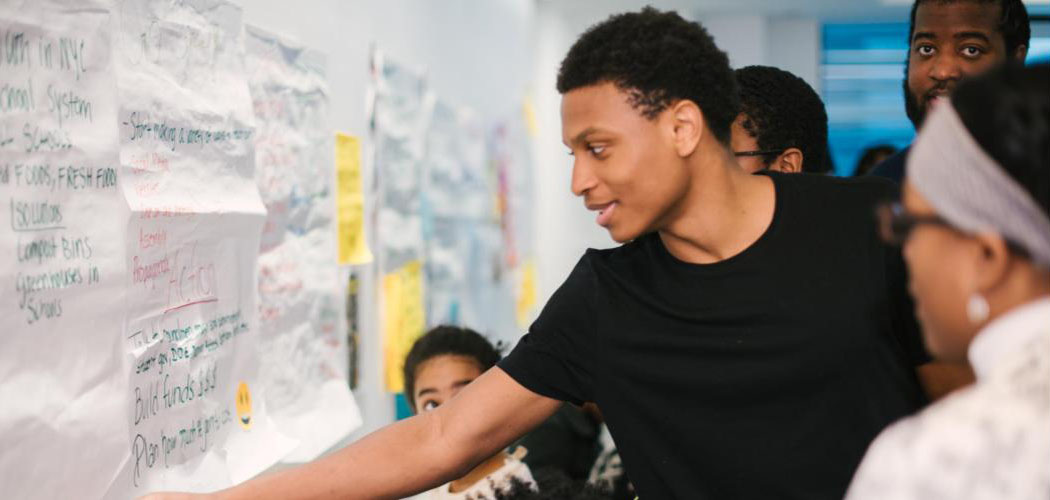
(970, 190)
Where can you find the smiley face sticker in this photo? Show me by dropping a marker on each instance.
(244, 406)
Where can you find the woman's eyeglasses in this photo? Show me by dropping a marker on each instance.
(896, 224)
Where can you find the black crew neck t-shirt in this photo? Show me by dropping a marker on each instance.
(765, 375)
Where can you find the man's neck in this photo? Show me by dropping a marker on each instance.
(724, 212)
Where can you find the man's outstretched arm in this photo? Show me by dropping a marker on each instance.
(415, 454)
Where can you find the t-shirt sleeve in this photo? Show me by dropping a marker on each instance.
(555, 358)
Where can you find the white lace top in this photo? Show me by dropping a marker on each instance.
(988, 441)
(485, 489)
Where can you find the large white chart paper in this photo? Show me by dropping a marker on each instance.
(186, 133)
(457, 204)
(147, 281)
(302, 306)
(62, 369)
(401, 113)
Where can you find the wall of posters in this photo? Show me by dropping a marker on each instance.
(302, 330)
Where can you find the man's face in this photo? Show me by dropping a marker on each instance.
(950, 41)
(625, 165)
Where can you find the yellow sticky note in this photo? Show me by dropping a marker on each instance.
(526, 298)
(350, 201)
(528, 111)
(403, 319)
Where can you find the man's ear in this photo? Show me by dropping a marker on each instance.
(687, 126)
(1020, 53)
(789, 162)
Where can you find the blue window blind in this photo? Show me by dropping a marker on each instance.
(1039, 52)
(862, 73)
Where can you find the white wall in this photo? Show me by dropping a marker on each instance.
(788, 43)
(742, 36)
(794, 44)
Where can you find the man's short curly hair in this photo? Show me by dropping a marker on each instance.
(658, 58)
(782, 111)
(447, 340)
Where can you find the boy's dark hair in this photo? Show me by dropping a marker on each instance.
(783, 111)
(446, 339)
(1007, 111)
(658, 58)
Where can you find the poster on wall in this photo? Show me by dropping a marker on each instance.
(509, 150)
(63, 372)
(477, 229)
(457, 208)
(187, 139)
(400, 113)
(403, 315)
(302, 328)
(350, 202)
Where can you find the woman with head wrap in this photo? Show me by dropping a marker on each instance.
(974, 220)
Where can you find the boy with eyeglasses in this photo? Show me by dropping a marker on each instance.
(782, 125)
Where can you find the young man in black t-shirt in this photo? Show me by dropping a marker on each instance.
(748, 340)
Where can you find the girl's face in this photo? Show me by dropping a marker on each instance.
(438, 379)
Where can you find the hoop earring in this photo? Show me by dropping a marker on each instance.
(977, 308)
